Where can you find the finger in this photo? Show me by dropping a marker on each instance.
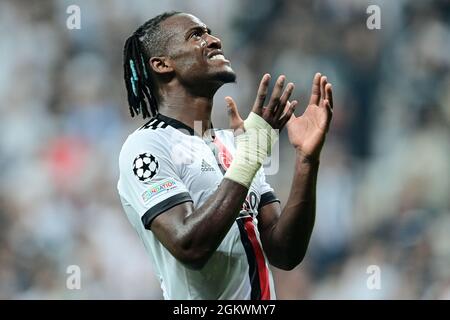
(262, 94)
(233, 113)
(276, 94)
(327, 105)
(323, 83)
(288, 105)
(329, 94)
(315, 91)
(286, 108)
(289, 114)
(284, 99)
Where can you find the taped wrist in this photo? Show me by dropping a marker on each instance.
(252, 147)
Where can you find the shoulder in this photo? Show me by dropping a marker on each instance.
(152, 137)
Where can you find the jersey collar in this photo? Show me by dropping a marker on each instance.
(180, 125)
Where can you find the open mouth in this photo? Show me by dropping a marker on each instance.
(217, 55)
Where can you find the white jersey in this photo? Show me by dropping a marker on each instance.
(164, 164)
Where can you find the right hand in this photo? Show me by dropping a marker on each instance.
(272, 113)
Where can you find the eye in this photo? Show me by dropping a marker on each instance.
(196, 34)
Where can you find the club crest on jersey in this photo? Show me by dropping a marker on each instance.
(224, 159)
(145, 167)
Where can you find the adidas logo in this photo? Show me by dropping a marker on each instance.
(206, 166)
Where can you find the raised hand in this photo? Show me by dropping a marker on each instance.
(272, 113)
(307, 132)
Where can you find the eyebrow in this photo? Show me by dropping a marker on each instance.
(198, 27)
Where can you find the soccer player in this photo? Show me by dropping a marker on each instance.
(209, 221)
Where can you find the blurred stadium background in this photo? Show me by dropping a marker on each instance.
(383, 190)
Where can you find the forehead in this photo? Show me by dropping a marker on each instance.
(181, 23)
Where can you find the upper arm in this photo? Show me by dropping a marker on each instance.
(168, 228)
(150, 183)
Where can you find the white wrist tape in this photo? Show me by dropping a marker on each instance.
(253, 147)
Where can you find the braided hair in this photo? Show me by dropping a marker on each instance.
(146, 42)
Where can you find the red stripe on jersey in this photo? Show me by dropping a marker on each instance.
(260, 260)
(224, 156)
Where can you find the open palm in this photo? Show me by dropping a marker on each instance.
(307, 132)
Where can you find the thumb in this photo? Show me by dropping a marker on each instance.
(236, 121)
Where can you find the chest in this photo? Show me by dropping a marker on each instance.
(203, 169)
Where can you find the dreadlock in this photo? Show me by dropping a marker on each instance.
(146, 42)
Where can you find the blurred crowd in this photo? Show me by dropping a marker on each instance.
(383, 197)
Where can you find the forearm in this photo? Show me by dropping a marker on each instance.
(291, 233)
(204, 229)
(195, 234)
(207, 226)
(287, 235)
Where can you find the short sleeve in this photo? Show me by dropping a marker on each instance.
(266, 191)
(149, 181)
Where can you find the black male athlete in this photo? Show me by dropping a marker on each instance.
(196, 195)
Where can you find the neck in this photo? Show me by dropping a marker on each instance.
(187, 108)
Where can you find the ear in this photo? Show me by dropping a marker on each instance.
(161, 65)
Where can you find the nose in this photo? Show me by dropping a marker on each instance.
(213, 42)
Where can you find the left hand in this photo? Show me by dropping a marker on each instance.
(307, 132)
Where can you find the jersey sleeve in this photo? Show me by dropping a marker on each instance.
(149, 181)
(267, 193)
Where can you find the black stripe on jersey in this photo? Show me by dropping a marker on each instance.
(175, 123)
(266, 198)
(163, 206)
(178, 124)
(251, 258)
(154, 123)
